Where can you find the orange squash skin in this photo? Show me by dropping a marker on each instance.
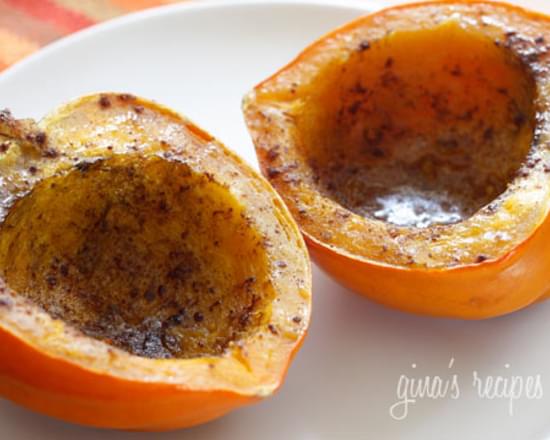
(64, 391)
(53, 368)
(489, 287)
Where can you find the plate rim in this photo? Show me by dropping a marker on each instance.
(182, 7)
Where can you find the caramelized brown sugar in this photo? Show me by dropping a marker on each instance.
(420, 127)
(141, 253)
(413, 137)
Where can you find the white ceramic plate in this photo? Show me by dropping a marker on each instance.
(200, 59)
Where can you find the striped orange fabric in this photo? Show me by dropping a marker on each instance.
(27, 25)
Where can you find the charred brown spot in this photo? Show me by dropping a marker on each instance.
(272, 154)
(83, 166)
(488, 133)
(64, 270)
(125, 97)
(40, 138)
(50, 153)
(149, 296)
(520, 119)
(198, 317)
(51, 281)
(364, 45)
(104, 101)
(272, 329)
(354, 108)
(532, 162)
(481, 258)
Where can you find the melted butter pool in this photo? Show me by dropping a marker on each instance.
(407, 206)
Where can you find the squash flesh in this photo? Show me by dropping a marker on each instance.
(136, 156)
(343, 174)
(474, 247)
(139, 253)
(421, 127)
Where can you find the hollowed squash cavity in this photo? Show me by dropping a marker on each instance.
(411, 146)
(141, 253)
(419, 127)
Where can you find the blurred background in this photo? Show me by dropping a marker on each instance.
(27, 25)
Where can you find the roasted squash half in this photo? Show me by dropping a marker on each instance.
(149, 279)
(412, 147)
